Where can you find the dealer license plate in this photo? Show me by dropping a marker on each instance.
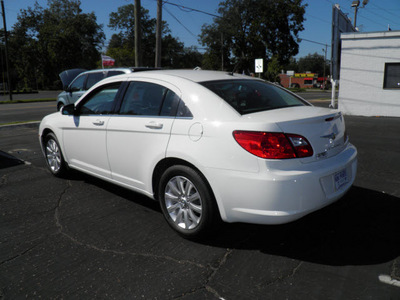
(340, 179)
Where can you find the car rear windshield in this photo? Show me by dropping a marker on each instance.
(249, 96)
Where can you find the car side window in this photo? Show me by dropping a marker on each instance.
(183, 111)
(170, 104)
(94, 78)
(78, 83)
(143, 98)
(101, 101)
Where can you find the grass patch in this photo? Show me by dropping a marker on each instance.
(28, 101)
(18, 122)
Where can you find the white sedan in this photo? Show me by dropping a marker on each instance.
(207, 145)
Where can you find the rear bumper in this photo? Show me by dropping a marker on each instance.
(276, 196)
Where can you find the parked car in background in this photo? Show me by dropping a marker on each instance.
(77, 81)
(207, 145)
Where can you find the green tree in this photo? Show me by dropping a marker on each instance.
(46, 41)
(313, 63)
(218, 55)
(121, 46)
(292, 65)
(253, 29)
(273, 69)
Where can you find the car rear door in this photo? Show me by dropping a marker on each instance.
(138, 136)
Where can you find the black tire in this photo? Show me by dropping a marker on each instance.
(187, 202)
(54, 157)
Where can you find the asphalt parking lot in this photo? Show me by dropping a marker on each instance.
(83, 238)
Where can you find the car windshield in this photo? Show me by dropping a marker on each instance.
(249, 96)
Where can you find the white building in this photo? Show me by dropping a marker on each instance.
(370, 74)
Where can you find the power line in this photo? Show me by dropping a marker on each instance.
(389, 12)
(376, 14)
(361, 16)
(188, 9)
(176, 19)
(382, 17)
(319, 19)
(301, 39)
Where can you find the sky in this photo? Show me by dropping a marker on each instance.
(186, 24)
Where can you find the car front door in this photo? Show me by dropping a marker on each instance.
(138, 136)
(85, 136)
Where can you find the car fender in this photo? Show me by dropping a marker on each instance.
(46, 126)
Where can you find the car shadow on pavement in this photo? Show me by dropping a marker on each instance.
(362, 228)
(117, 190)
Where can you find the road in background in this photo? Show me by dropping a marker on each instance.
(316, 95)
(31, 96)
(25, 112)
(35, 111)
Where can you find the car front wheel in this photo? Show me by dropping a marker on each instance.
(54, 157)
(187, 201)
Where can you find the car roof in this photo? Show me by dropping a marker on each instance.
(123, 69)
(192, 75)
(126, 70)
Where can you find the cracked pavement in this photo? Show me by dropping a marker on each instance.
(81, 237)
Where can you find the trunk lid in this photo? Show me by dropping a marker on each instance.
(323, 128)
(68, 75)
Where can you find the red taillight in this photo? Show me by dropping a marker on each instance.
(301, 146)
(273, 145)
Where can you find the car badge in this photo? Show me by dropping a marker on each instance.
(331, 136)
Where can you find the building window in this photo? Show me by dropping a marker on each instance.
(392, 76)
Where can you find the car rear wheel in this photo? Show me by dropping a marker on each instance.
(187, 201)
(54, 157)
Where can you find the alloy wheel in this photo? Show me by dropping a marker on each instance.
(183, 202)
(53, 155)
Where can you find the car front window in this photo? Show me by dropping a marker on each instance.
(101, 101)
(249, 96)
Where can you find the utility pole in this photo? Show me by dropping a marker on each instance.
(138, 35)
(222, 51)
(325, 50)
(6, 49)
(158, 34)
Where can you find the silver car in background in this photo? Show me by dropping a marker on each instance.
(77, 81)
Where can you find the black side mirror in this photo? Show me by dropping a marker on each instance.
(69, 110)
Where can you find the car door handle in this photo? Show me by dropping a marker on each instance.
(154, 125)
(98, 123)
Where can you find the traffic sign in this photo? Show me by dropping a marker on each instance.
(259, 65)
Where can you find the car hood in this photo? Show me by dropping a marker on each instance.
(68, 75)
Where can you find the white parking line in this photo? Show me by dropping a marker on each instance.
(389, 280)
